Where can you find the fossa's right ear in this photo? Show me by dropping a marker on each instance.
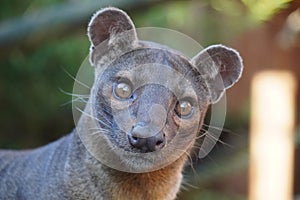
(110, 29)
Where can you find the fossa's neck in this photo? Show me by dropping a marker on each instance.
(113, 184)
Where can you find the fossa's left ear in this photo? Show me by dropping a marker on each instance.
(111, 30)
(220, 67)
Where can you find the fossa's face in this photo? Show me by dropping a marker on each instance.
(147, 96)
(148, 101)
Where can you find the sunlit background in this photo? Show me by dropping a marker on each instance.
(42, 41)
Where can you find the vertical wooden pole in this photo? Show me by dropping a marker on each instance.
(272, 136)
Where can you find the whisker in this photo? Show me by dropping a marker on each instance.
(80, 97)
(87, 114)
(80, 100)
(220, 129)
(106, 112)
(100, 130)
(190, 161)
(185, 183)
(73, 94)
(107, 120)
(77, 81)
(207, 154)
(202, 135)
(96, 128)
(217, 139)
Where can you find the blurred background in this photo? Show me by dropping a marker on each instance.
(42, 41)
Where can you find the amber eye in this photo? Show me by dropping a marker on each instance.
(123, 90)
(184, 108)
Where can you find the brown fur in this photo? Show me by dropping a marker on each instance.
(157, 185)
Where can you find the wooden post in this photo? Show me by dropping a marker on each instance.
(272, 136)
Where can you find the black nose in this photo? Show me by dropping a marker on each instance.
(146, 144)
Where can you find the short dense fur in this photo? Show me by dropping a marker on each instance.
(69, 168)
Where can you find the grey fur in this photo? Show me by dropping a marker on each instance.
(70, 169)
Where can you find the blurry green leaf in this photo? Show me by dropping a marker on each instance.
(232, 7)
(262, 10)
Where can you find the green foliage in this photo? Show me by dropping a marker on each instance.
(206, 22)
(13, 8)
(31, 100)
(262, 10)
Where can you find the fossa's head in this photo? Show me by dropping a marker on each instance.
(148, 101)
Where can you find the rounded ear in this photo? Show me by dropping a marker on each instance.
(107, 22)
(220, 67)
(113, 27)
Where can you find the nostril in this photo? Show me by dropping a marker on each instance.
(159, 142)
(134, 138)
